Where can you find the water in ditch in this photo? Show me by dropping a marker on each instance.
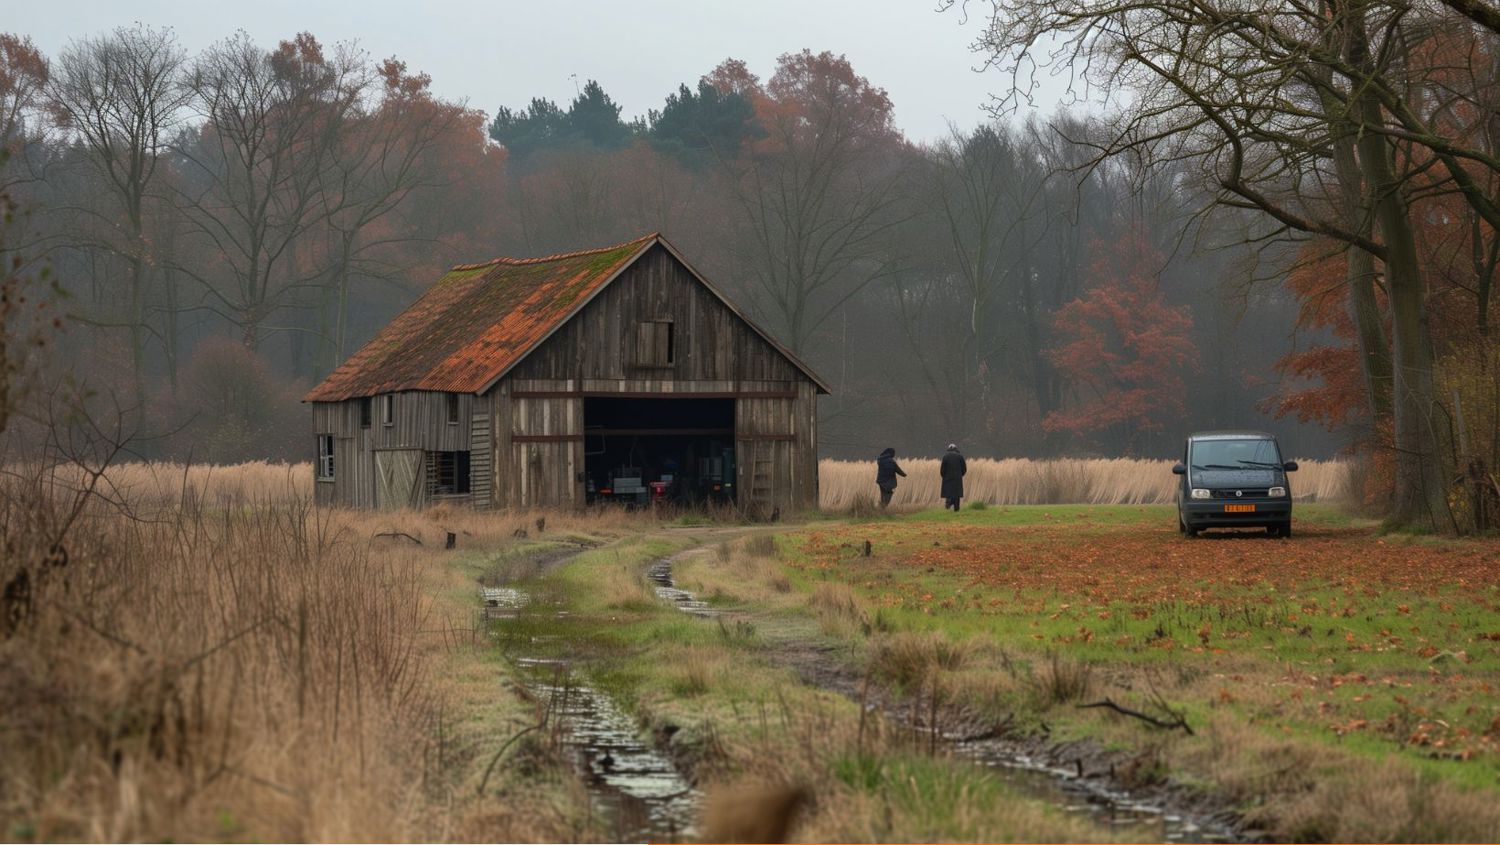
(631, 785)
(1106, 806)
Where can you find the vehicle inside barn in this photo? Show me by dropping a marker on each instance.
(640, 451)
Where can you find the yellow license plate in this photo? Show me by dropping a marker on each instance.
(1239, 508)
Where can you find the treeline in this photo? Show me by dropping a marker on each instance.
(229, 225)
(1369, 130)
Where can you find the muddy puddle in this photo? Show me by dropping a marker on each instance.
(660, 576)
(1111, 808)
(631, 785)
(502, 602)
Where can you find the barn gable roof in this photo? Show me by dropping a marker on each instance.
(480, 320)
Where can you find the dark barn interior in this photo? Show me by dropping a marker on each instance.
(639, 451)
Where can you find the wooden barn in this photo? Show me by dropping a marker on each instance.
(613, 375)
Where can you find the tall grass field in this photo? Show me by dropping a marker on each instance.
(1065, 481)
(842, 485)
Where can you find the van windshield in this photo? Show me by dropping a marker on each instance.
(1235, 454)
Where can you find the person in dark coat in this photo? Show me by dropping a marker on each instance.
(886, 470)
(953, 470)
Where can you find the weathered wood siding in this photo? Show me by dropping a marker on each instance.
(419, 421)
(538, 408)
(712, 343)
(538, 453)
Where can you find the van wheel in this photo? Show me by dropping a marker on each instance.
(1282, 530)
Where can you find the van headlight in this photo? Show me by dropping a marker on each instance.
(1200, 493)
(1277, 492)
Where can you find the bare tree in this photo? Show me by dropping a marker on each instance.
(388, 151)
(820, 192)
(1245, 90)
(985, 191)
(120, 96)
(255, 170)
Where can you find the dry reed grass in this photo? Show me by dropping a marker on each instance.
(198, 675)
(843, 485)
(906, 660)
(226, 661)
(1313, 792)
(736, 573)
(850, 485)
(757, 559)
(838, 608)
(1061, 681)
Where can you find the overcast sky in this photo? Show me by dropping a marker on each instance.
(504, 52)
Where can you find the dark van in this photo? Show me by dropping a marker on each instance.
(1234, 479)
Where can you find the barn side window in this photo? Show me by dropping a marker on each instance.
(325, 457)
(364, 412)
(388, 409)
(453, 409)
(448, 473)
(655, 343)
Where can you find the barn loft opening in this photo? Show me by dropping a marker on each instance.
(639, 451)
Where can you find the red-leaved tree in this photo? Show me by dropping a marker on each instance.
(1326, 378)
(1122, 347)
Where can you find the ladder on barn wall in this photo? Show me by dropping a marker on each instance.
(762, 481)
(481, 460)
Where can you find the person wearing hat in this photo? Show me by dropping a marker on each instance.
(886, 470)
(953, 470)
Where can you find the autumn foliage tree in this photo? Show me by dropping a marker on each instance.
(1325, 374)
(819, 191)
(1122, 347)
(23, 79)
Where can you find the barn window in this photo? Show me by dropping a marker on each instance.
(364, 412)
(448, 473)
(453, 409)
(388, 409)
(655, 343)
(325, 457)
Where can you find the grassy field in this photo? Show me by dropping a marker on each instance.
(726, 700)
(1341, 684)
(242, 667)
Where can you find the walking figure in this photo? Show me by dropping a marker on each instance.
(886, 470)
(953, 470)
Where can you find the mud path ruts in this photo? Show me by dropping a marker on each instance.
(1078, 777)
(660, 576)
(632, 785)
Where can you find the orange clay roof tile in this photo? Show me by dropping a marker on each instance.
(477, 322)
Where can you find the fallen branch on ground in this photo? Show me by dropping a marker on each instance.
(1177, 720)
(394, 534)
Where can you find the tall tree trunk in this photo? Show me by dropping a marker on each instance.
(1359, 265)
(138, 270)
(171, 340)
(1359, 273)
(1484, 261)
(1421, 476)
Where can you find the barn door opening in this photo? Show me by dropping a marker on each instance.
(639, 451)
